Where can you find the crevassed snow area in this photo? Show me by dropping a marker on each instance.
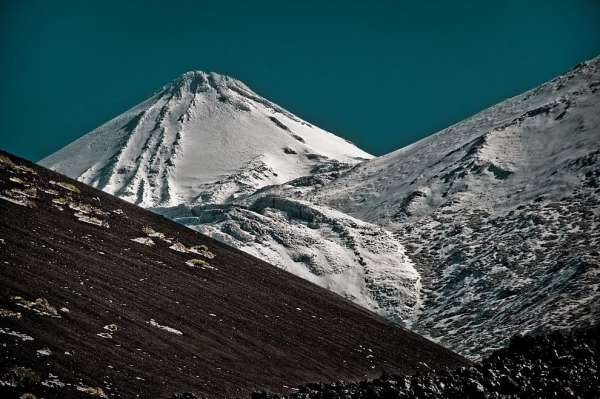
(357, 260)
(202, 129)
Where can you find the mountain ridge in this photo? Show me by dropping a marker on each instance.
(499, 213)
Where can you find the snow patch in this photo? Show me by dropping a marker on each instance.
(144, 241)
(165, 328)
(21, 336)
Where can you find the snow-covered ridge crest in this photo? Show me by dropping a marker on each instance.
(200, 129)
(519, 137)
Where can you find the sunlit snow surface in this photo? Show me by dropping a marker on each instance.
(205, 138)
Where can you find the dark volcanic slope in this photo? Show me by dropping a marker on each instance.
(84, 310)
(558, 365)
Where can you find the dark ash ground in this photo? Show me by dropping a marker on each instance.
(87, 312)
(558, 365)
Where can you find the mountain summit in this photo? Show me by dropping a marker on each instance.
(203, 138)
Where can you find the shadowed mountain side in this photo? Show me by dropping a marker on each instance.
(101, 298)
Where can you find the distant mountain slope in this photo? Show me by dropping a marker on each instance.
(100, 298)
(204, 138)
(500, 214)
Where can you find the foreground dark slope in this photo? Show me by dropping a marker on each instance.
(558, 365)
(86, 311)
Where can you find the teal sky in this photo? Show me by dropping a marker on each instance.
(381, 73)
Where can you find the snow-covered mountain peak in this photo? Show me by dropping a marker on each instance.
(204, 138)
(199, 81)
(210, 153)
(205, 148)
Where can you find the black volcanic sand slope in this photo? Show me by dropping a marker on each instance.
(100, 298)
(559, 365)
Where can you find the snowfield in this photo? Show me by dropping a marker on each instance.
(357, 260)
